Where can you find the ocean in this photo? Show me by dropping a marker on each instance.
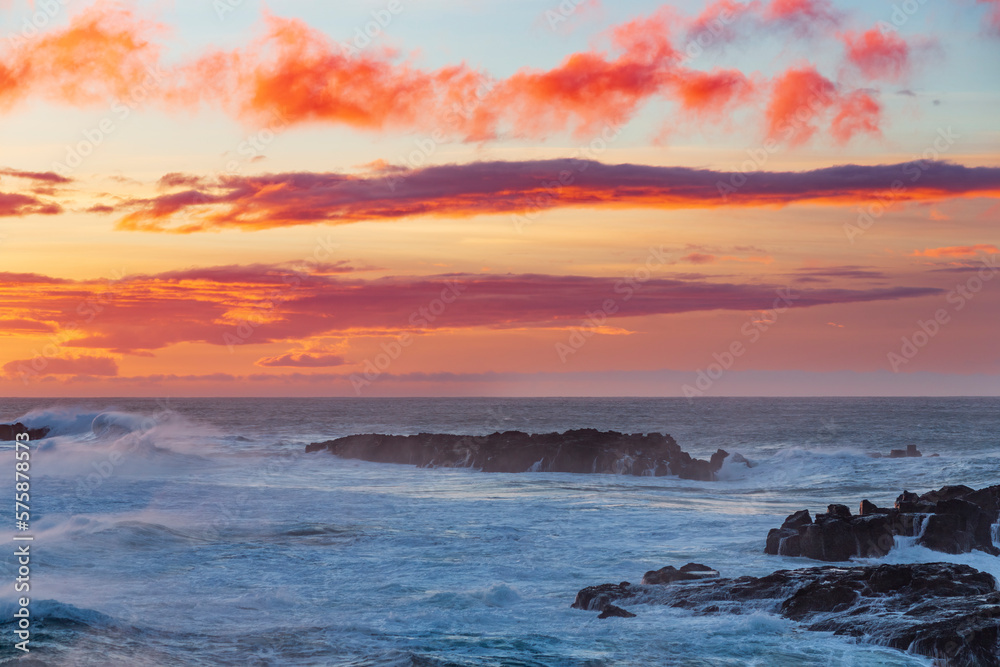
(198, 532)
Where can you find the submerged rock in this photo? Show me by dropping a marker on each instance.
(10, 431)
(577, 451)
(612, 611)
(953, 519)
(944, 611)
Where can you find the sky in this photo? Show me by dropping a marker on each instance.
(519, 198)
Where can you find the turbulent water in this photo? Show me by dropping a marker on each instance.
(197, 532)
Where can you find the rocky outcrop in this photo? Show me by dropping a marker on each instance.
(944, 611)
(577, 451)
(9, 431)
(910, 452)
(670, 574)
(953, 519)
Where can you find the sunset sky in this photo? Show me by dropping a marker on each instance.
(237, 198)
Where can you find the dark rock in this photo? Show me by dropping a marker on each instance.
(830, 539)
(597, 598)
(670, 574)
(873, 535)
(897, 454)
(819, 596)
(718, 458)
(790, 545)
(576, 451)
(774, 538)
(797, 520)
(947, 612)
(868, 507)
(911, 451)
(912, 503)
(949, 492)
(839, 511)
(953, 519)
(10, 431)
(958, 526)
(612, 611)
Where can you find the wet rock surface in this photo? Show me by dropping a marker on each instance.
(953, 519)
(670, 574)
(575, 451)
(944, 611)
(10, 431)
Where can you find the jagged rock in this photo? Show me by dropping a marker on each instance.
(839, 511)
(597, 598)
(670, 574)
(944, 611)
(718, 458)
(953, 519)
(9, 431)
(576, 451)
(868, 507)
(612, 611)
(797, 520)
(739, 458)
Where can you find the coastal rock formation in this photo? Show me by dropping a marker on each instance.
(944, 611)
(953, 519)
(9, 431)
(577, 451)
(670, 574)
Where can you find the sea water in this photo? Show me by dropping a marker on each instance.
(198, 532)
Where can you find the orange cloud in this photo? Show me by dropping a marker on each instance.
(294, 74)
(105, 52)
(957, 251)
(257, 304)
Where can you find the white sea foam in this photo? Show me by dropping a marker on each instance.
(207, 533)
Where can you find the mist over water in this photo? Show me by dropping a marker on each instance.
(196, 531)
